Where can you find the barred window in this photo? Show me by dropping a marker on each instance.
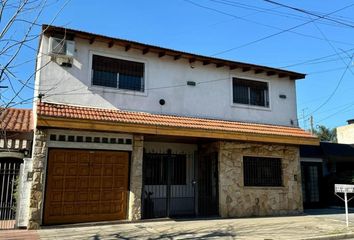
(250, 92)
(261, 171)
(117, 73)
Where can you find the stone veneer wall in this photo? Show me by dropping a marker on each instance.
(36, 196)
(236, 200)
(136, 178)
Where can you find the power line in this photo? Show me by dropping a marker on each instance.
(344, 110)
(314, 59)
(271, 35)
(309, 13)
(259, 23)
(327, 70)
(334, 91)
(259, 9)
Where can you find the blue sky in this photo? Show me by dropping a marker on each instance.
(209, 27)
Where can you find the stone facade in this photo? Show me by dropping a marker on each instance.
(236, 200)
(37, 189)
(136, 178)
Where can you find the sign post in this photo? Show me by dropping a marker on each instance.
(344, 188)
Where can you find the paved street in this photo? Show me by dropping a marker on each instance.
(319, 223)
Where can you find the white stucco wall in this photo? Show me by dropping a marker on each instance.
(345, 134)
(210, 98)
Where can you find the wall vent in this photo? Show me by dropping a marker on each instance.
(90, 140)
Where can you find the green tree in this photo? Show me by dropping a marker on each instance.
(326, 134)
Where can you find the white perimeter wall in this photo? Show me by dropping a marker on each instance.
(345, 134)
(210, 98)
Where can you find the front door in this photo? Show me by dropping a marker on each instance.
(84, 186)
(168, 185)
(311, 184)
(208, 185)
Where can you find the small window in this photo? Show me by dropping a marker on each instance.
(261, 171)
(250, 92)
(53, 137)
(62, 138)
(71, 138)
(117, 73)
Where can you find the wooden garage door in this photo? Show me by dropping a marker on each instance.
(84, 186)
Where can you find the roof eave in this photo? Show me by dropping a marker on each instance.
(80, 124)
(91, 37)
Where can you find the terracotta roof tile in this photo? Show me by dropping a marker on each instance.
(76, 112)
(16, 120)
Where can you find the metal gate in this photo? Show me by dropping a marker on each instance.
(9, 171)
(168, 185)
(208, 181)
(311, 173)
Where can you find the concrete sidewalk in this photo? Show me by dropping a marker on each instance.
(296, 227)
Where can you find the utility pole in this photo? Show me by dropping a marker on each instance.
(311, 122)
(304, 118)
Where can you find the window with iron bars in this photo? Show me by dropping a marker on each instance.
(117, 73)
(250, 92)
(262, 171)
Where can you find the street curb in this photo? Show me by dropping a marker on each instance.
(332, 237)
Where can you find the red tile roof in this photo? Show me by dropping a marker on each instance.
(16, 120)
(119, 116)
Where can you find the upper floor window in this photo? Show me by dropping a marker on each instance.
(117, 73)
(250, 92)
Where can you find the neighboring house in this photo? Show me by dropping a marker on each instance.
(15, 144)
(345, 134)
(323, 166)
(126, 130)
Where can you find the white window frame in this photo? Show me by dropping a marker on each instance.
(249, 106)
(112, 89)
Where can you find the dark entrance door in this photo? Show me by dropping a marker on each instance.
(311, 184)
(208, 204)
(168, 185)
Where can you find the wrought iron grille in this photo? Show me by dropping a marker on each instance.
(117, 73)
(168, 185)
(9, 171)
(250, 92)
(261, 171)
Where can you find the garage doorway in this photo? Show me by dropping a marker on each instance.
(86, 186)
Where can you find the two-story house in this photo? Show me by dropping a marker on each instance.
(126, 130)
